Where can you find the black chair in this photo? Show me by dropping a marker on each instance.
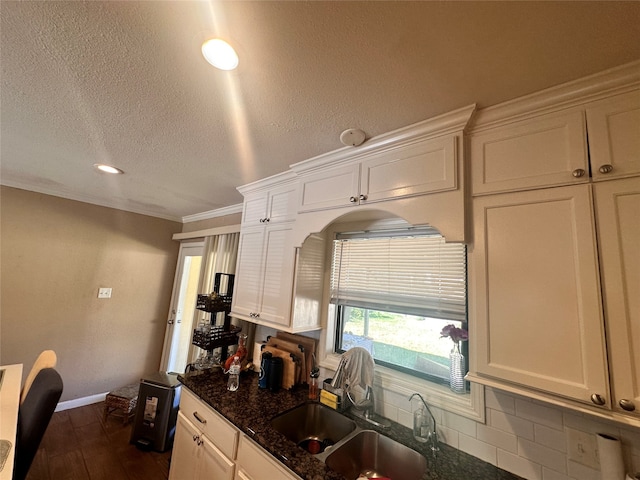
(33, 418)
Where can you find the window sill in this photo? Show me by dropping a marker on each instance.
(469, 405)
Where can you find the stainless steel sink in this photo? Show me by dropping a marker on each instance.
(374, 455)
(313, 426)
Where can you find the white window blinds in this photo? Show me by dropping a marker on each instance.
(416, 274)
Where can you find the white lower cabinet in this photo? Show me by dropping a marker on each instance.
(206, 446)
(205, 443)
(196, 457)
(254, 463)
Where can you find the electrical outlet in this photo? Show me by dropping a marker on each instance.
(104, 293)
(583, 448)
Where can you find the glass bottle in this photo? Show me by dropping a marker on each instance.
(457, 369)
(234, 374)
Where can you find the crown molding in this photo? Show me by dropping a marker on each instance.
(90, 200)
(219, 212)
(446, 124)
(594, 87)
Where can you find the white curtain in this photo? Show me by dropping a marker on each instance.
(219, 255)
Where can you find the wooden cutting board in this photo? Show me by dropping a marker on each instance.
(288, 367)
(299, 352)
(309, 345)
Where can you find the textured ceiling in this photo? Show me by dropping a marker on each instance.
(124, 83)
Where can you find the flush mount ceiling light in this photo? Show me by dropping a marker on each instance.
(107, 168)
(220, 54)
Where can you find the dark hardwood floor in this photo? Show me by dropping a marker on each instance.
(79, 445)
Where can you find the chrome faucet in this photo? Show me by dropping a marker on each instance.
(433, 434)
(365, 409)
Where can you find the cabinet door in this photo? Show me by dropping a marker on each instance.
(254, 209)
(528, 154)
(538, 310)
(213, 463)
(184, 456)
(281, 204)
(614, 136)
(424, 168)
(334, 187)
(246, 292)
(278, 258)
(617, 207)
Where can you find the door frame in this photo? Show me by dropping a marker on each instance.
(186, 249)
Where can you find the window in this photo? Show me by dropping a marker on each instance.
(393, 293)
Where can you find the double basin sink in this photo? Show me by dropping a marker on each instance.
(346, 448)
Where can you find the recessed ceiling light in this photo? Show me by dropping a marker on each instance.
(107, 168)
(220, 54)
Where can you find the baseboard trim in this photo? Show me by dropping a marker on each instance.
(81, 402)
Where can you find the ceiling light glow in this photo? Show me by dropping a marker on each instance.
(220, 54)
(107, 168)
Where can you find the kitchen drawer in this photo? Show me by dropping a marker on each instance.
(217, 429)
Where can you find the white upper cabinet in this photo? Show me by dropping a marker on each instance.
(425, 167)
(538, 317)
(272, 206)
(268, 273)
(614, 136)
(617, 213)
(596, 140)
(538, 152)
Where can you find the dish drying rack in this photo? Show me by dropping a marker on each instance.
(217, 336)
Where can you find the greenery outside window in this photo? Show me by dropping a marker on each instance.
(393, 292)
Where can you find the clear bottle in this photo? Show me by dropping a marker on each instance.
(234, 374)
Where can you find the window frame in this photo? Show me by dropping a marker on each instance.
(470, 405)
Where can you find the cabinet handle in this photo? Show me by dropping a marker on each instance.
(627, 405)
(578, 172)
(353, 199)
(199, 418)
(598, 399)
(266, 220)
(606, 169)
(363, 197)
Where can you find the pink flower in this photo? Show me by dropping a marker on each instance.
(454, 333)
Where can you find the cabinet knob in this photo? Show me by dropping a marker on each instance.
(353, 199)
(578, 172)
(262, 220)
(266, 220)
(598, 399)
(606, 169)
(627, 405)
(363, 197)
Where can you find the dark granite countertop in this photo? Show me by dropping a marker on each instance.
(250, 409)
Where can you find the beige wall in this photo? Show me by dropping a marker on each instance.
(55, 254)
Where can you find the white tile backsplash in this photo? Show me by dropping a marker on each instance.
(525, 437)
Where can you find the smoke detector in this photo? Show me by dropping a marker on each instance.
(352, 137)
